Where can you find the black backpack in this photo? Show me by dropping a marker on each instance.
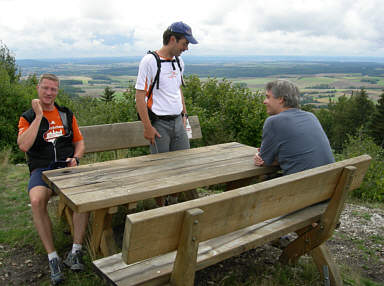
(157, 77)
(152, 116)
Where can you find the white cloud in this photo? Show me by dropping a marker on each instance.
(41, 28)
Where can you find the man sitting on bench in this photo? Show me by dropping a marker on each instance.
(292, 138)
(50, 136)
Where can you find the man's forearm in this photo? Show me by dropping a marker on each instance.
(141, 107)
(183, 102)
(28, 137)
(79, 149)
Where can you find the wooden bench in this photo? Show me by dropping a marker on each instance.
(167, 245)
(116, 136)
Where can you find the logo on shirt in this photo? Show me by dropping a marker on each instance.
(53, 132)
(172, 74)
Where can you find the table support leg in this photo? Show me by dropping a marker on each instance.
(107, 243)
(69, 216)
(97, 230)
(102, 240)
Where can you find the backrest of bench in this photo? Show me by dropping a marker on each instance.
(154, 232)
(123, 135)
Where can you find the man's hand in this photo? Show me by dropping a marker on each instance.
(71, 162)
(150, 134)
(257, 159)
(37, 107)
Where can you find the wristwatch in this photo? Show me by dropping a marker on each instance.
(77, 160)
(184, 115)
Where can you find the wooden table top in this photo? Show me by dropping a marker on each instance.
(117, 182)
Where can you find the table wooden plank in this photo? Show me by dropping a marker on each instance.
(154, 159)
(118, 182)
(125, 168)
(184, 174)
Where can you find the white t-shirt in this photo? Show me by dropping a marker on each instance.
(167, 99)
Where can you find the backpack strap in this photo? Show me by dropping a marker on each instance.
(64, 120)
(181, 70)
(157, 77)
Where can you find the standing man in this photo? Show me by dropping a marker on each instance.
(292, 138)
(159, 98)
(51, 138)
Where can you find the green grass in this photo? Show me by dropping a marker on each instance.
(14, 209)
(377, 238)
(362, 215)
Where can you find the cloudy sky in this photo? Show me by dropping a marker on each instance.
(92, 28)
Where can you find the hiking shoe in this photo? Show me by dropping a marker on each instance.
(56, 275)
(75, 261)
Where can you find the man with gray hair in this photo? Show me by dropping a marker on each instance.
(292, 138)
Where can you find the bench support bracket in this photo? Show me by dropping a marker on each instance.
(184, 268)
(311, 241)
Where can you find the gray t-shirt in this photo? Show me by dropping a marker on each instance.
(296, 140)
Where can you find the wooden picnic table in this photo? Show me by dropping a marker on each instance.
(100, 187)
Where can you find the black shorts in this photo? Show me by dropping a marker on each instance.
(36, 178)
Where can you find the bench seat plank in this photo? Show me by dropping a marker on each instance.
(157, 270)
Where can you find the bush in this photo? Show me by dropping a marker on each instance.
(372, 188)
(15, 98)
(227, 112)
(93, 111)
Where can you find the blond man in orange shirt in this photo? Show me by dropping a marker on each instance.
(51, 138)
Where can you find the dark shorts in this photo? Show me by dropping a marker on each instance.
(36, 178)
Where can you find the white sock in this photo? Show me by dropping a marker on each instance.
(52, 255)
(76, 247)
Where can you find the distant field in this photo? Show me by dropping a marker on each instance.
(319, 87)
(318, 81)
(253, 83)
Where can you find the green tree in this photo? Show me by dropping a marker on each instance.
(226, 112)
(362, 109)
(376, 127)
(346, 116)
(92, 111)
(8, 62)
(108, 95)
(372, 188)
(15, 98)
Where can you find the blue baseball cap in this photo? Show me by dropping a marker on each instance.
(182, 28)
